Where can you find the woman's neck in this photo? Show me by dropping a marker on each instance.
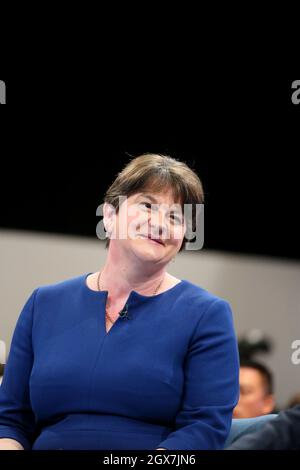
(120, 277)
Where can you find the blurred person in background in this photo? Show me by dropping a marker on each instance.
(294, 401)
(256, 391)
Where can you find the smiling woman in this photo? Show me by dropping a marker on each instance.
(152, 181)
(157, 355)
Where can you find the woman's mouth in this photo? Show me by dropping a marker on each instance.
(156, 240)
(153, 240)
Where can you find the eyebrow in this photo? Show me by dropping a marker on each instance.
(148, 196)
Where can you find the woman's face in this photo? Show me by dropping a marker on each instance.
(151, 226)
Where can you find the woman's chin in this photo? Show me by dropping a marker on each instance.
(148, 249)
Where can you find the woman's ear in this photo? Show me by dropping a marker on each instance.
(109, 215)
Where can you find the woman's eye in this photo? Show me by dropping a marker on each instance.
(147, 205)
(176, 218)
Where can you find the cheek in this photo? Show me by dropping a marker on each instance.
(131, 221)
(174, 244)
(136, 218)
(177, 234)
(139, 219)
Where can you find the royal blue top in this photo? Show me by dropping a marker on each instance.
(165, 377)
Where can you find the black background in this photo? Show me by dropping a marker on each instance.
(65, 136)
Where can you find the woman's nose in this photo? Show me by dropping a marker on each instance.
(158, 226)
(157, 231)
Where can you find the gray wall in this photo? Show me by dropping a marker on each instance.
(264, 293)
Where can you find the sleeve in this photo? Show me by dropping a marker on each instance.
(211, 386)
(17, 420)
(282, 433)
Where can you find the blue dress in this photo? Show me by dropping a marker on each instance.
(167, 376)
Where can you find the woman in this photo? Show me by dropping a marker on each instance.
(129, 357)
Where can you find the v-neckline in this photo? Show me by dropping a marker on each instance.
(132, 294)
(103, 317)
(104, 321)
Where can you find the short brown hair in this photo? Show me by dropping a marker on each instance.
(157, 172)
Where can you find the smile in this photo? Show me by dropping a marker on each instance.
(157, 241)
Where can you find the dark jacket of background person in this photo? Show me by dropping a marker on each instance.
(282, 433)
